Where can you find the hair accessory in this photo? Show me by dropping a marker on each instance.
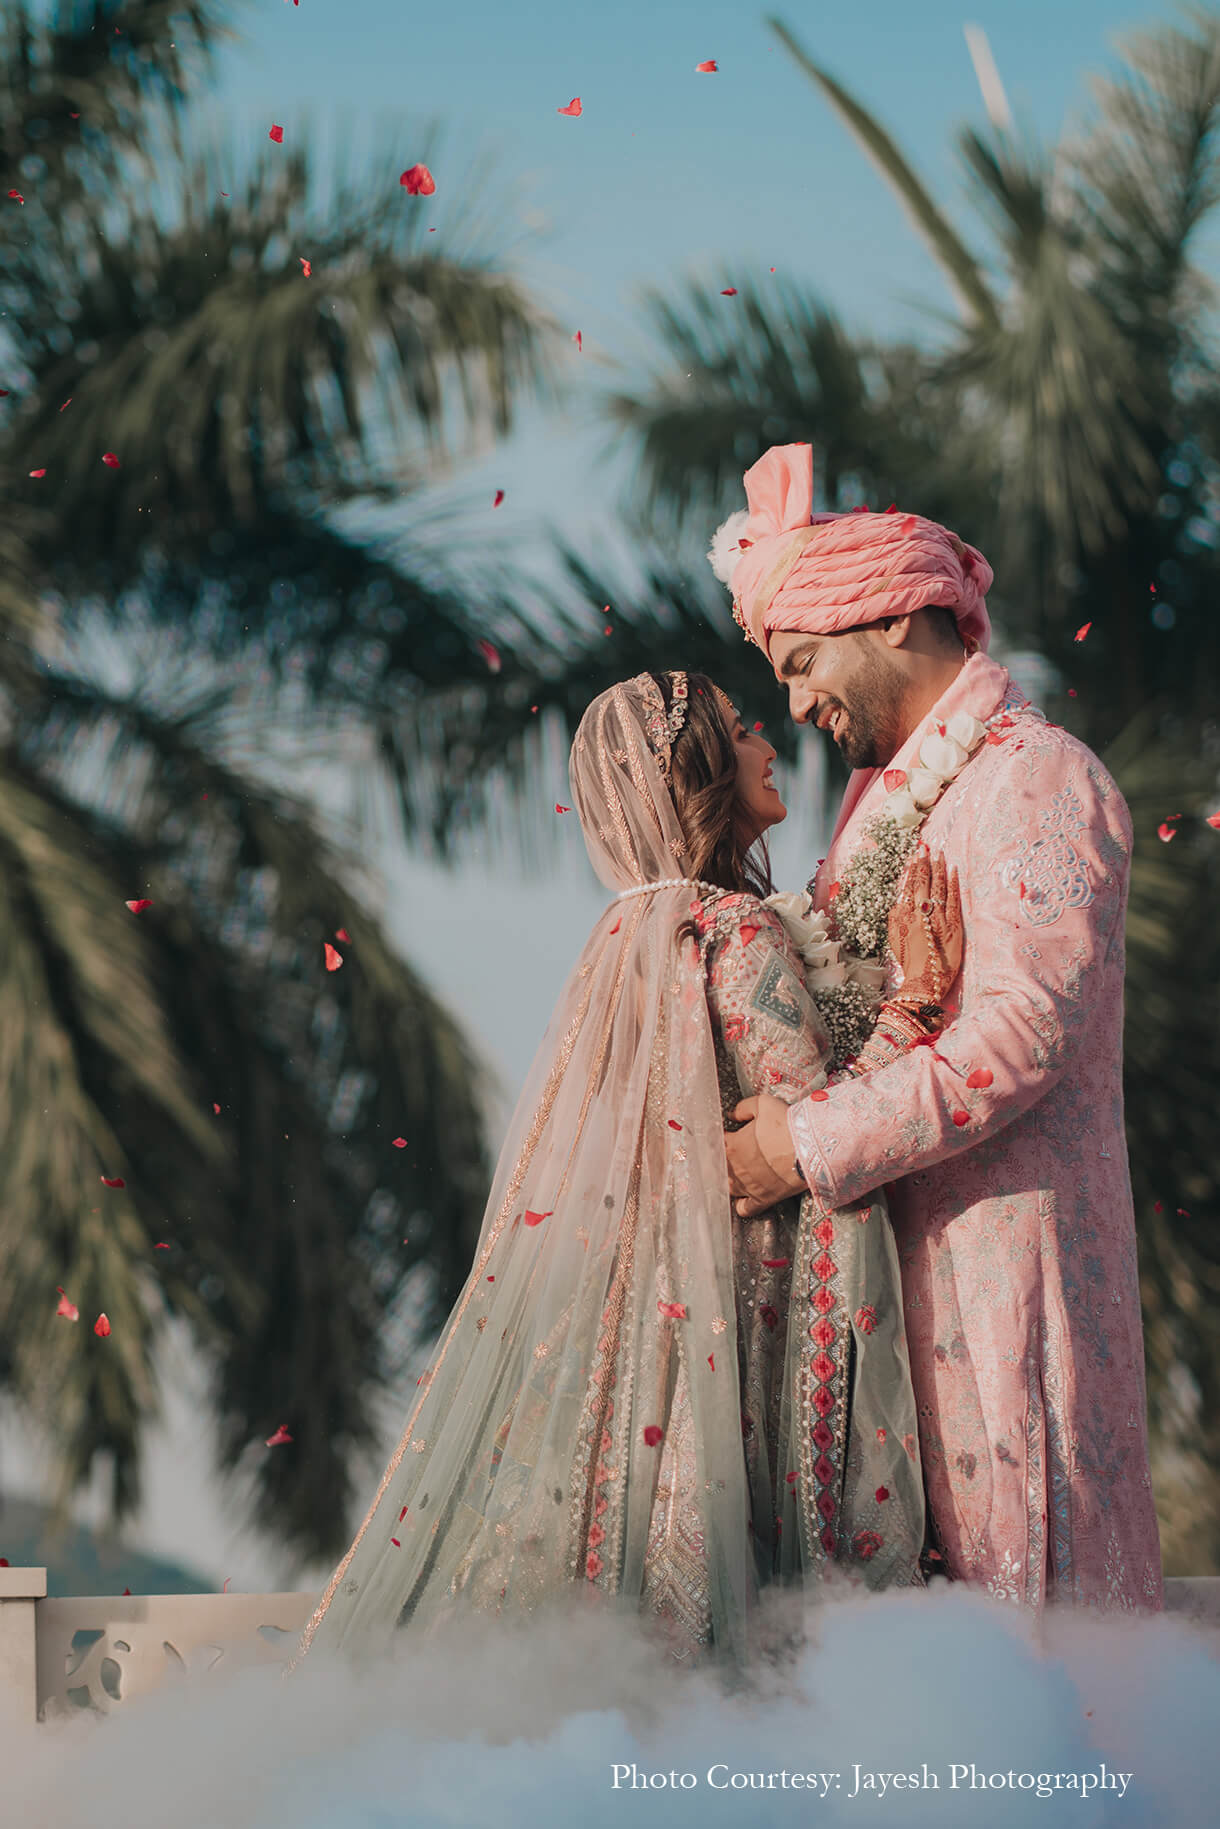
(664, 727)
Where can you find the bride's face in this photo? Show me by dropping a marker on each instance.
(758, 802)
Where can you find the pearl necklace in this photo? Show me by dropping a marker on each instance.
(671, 882)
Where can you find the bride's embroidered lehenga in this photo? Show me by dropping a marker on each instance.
(638, 1397)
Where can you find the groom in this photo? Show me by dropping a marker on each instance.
(1003, 1146)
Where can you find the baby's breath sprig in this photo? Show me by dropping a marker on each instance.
(868, 887)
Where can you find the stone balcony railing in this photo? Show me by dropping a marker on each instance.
(101, 1651)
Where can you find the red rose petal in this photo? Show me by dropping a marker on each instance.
(711, 1359)
(490, 653)
(617, 925)
(306, 268)
(580, 343)
(882, 1494)
(16, 196)
(67, 403)
(113, 1181)
(418, 181)
(499, 497)
(400, 1143)
(1082, 632)
(139, 905)
(160, 1247)
(110, 460)
(776, 1263)
(276, 134)
(960, 1118)
(536, 1219)
(396, 1543)
(792, 1478)
(334, 958)
(728, 292)
(101, 1327)
(819, 1098)
(982, 1076)
(68, 1310)
(560, 809)
(341, 933)
(652, 1435)
(1213, 820)
(675, 1310)
(37, 472)
(674, 1125)
(707, 69)
(749, 931)
(216, 1108)
(1165, 832)
(279, 1438)
(573, 108)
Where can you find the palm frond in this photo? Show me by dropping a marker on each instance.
(225, 380)
(946, 246)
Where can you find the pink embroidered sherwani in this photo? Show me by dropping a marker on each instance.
(1011, 1202)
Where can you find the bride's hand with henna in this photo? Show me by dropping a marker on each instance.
(926, 930)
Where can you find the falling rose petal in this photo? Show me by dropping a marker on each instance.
(580, 343)
(982, 1076)
(536, 1219)
(110, 460)
(882, 1494)
(113, 1181)
(402, 1514)
(279, 1438)
(573, 108)
(1082, 632)
(67, 403)
(749, 933)
(792, 1478)
(341, 933)
(1158, 1207)
(37, 473)
(728, 292)
(652, 1435)
(1182, 1213)
(101, 1326)
(616, 926)
(400, 1143)
(711, 1359)
(160, 1247)
(491, 655)
(709, 68)
(16, 197)
(276, 134)
(960, 1118)
(139, 905)
(758, 725)
(499, 497)
(820, 1097)
(216, 1108)
(675, 1310)
(334, 959)
(1071, 692)
(560, 809)
(68, 1310)
(881, 1435)
(1165, 832)
(1213, 820)
(674, 1125)
(306, 266)
(396, 1543)
(776, 1263)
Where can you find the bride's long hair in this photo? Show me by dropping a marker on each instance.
(703, 783)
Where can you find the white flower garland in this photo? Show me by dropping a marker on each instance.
(844, 959)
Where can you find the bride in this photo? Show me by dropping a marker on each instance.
(640, 1400)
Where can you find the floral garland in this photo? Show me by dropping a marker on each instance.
(844, 959)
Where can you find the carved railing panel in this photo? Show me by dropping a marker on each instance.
(100, 1652)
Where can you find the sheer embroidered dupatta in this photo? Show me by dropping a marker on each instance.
(528, 1466)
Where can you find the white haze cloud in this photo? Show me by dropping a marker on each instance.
(525, 1726)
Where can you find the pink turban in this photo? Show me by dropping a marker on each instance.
(822, 573)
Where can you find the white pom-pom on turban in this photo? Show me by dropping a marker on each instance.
(725, 552)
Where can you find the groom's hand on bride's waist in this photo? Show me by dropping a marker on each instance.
(763, 1169)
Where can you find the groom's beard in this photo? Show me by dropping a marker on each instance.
(873, 699)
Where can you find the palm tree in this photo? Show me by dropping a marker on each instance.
(201, 1120)
(1069, 421)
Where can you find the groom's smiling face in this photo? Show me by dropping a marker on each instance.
(852, 685)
